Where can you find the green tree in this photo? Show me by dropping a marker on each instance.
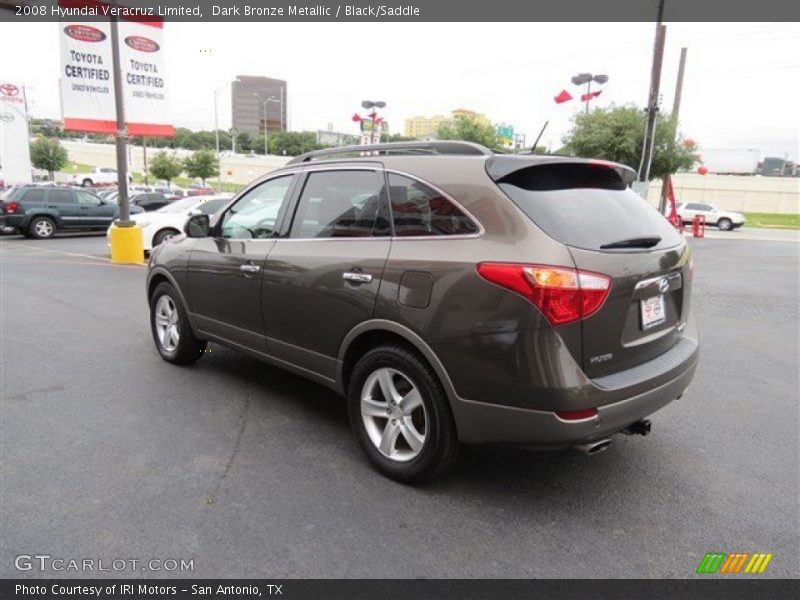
(165, 166)
(616, 133)
(292, 143)
(470, 130)
(244, 143)
(48, 154)
(201, 164)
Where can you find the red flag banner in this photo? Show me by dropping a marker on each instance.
(356, 117)
(586, 97)
(564, 96)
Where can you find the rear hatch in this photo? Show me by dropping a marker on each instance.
(610, 230)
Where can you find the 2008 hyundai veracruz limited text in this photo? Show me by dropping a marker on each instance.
(452, 294)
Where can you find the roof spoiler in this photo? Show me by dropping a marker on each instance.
(499, 167)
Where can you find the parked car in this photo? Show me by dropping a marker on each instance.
(40, 211)
(98, 176)
(725, 220)
(450, 293)
(165, 223)
(149, 201)
(200, 191)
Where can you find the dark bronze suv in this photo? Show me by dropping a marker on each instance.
(452, 294)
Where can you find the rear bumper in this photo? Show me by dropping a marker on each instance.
(618, 398)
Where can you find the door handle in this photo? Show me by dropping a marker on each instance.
(249, 268)
(356, 277)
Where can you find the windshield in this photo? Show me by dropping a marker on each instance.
(178, 206)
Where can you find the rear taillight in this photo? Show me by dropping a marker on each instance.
(11, 207)
(563, 295)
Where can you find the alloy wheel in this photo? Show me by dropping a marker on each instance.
(394, 414)
(167, 323)
(43, 228)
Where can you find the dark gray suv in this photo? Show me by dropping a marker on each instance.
(452, 294)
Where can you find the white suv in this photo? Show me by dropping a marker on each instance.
(725, 220)
(99, 176)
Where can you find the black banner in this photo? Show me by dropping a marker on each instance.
(713, 588)
(403, 10)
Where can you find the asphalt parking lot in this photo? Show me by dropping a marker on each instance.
(107, 451)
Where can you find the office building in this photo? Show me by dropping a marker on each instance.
(249, 97)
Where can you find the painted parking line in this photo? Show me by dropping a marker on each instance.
(24, 253)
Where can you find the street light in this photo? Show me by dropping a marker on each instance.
(367, 104)
(587, 78)
(264, 102)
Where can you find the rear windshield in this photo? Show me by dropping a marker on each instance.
(586, 206)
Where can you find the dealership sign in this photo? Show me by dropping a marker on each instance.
(15, 156)
(87, 79)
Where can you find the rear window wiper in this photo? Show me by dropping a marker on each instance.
(639, 242)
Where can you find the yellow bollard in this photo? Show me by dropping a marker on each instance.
(126, 245)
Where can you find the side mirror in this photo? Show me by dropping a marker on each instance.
(197, 226)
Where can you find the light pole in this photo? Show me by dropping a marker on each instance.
(264, 102)
(587, 78)
(216, 124)
(367, 104)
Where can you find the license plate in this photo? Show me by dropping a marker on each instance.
(653, 312)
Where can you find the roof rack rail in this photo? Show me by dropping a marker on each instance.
(452, 147)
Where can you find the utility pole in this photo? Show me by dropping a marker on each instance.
(676, 108)
(676, 104)
(122, 131)
(652, 104)
(144, 158)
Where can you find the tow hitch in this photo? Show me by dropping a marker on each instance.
(641, 427)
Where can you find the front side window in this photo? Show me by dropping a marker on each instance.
(255, 215)
(340, 204)
(419, 210)
(88, 199)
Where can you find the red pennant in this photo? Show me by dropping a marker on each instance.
(586, 97)
(356, 117)
(564, 96)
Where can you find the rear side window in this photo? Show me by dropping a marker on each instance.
(419, 210)
(33, 196)
(586, 206)
(340, 204)
(60, 197)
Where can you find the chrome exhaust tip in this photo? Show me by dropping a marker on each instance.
(593, 448)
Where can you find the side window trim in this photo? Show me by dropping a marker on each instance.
(446, 196)
(380, 177)
(216, 231)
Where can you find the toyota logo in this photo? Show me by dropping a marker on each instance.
(8, 89)
(6, 117)
(663, 285)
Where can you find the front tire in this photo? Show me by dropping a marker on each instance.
(400, 415)
(42, 228)
(86, 183)
(164, 235)
(725, 224)
(172, 333)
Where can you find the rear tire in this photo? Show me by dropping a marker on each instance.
(725, 224)
(400, 415)
(86, 183)
(42, 228)
(169, 324)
